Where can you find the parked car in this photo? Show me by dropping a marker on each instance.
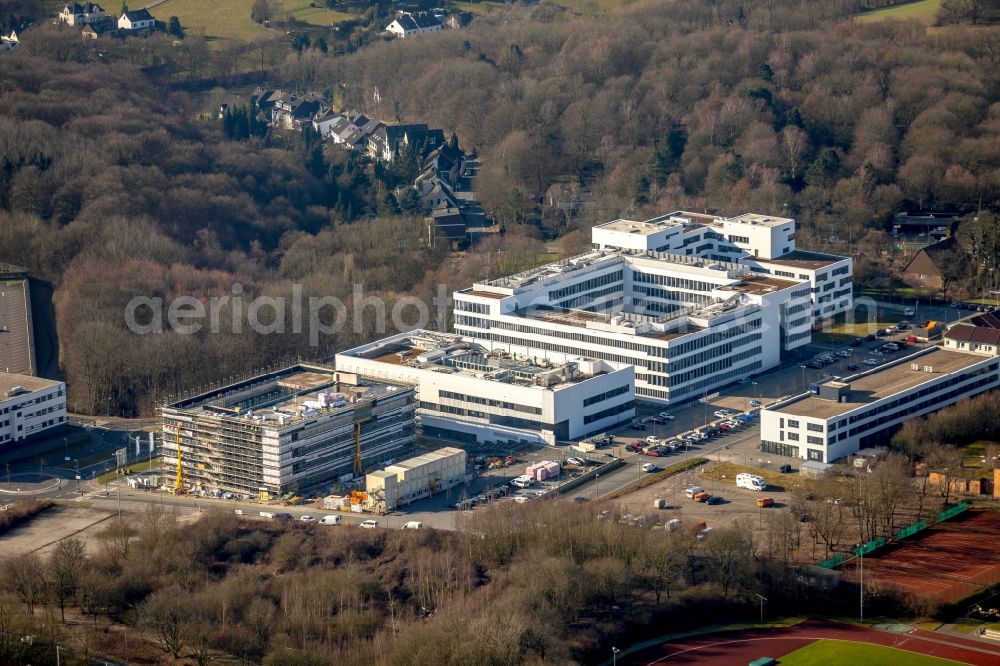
(654, 452)
(656, 420)
(732, 423)
(871, 361)
(652, 439)
(307, 519)
(331, 520)
(639, 427)
(844, 353)
(283, 517)
(853, 367)
(724, 428)
(785, 469)
(754, 404)
(857, 342)
(649, 467)
(714, 499)
(369, 524)
(692, 491)
(665, 415)
(722, 413)
(579, 462)
(412, 525)
(633, 448)
(815, 365)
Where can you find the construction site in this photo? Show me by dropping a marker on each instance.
(294, 431)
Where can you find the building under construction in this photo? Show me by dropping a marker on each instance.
(292, 431)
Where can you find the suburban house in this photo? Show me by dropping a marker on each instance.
(408, 25)
(323, 122)
(458, 20)
(136, 19)
(925, 271)
(9, 42)
(101, 28)
(445, 163)
(291, 111)
(81, 14)
(385, 141)
(439, 196)
(446, 225)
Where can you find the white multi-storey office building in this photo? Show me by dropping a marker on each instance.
(29, 406)
(836, 419)
(688, 324)
(469, 393)
(763, 243)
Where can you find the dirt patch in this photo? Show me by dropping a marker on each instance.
(45, 530)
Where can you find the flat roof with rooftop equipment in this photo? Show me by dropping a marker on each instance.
(865, 388)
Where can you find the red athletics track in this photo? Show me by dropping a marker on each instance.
(741, 647)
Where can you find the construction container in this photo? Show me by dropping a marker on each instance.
(659, 503)
(333, 502)
(541, 473)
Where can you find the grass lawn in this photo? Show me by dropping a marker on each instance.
(230, 19)
(967, 626)
(135, 467)
(481, 8)
(972, 454)
(847, 653)
(726, 472)
(921, 10)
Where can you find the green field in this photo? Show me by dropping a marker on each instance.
(230, 19)
(921, 10)
(847, 653)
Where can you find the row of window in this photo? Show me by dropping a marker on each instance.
(607, 395)
(715, 338)
(667, 295)
(678, 378)
(32, 401)
(467, 306)
(585, 299)
(671, 281)
(489, 402)
(716, 380)
(586, 285)
(610, 411)
(713, 353)
(604, 341)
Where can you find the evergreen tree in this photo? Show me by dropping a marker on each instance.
(315, 162)
(174, 27)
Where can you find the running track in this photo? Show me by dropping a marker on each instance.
(741, 647)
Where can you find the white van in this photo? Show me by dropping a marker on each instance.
(330, 520)
(750, 482)
(692, 491)
(523, 481)
(412, 525)
(369, 524)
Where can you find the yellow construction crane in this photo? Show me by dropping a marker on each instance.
(178, 482)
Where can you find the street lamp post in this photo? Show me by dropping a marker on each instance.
(762, 600)
(614, 656)
(861, 584)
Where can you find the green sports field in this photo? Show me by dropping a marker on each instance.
(230, 19)
(921, 10)
(846, 653)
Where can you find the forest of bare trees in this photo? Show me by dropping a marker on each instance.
(548, 583)
(116, 179)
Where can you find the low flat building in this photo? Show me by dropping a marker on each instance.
(837, 418)
(295, 430)
(29, 406)
(469, 394)
(415, 478)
